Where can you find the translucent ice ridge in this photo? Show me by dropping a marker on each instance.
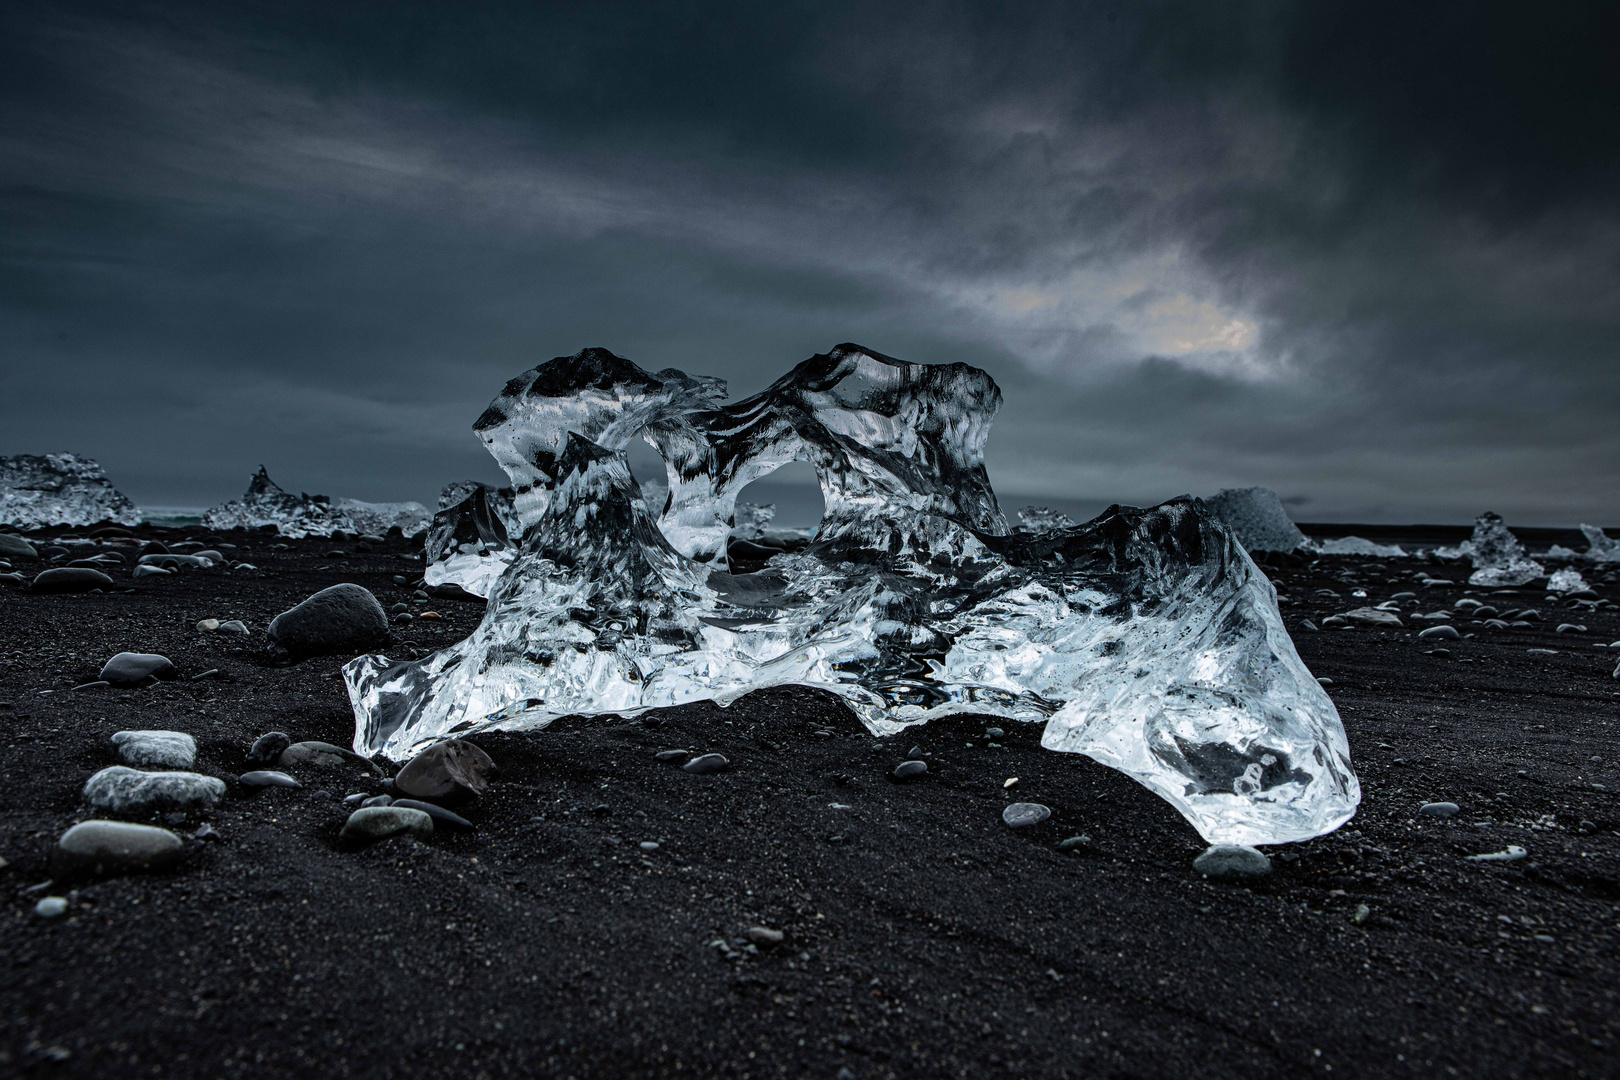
(1356, 545)
(1257, 518)
(1499, 557)
(298, 516)
(1600, 547)
(38, 490)
(1145, 639)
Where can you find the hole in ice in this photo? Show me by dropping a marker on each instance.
(778, 512)
(647, 466)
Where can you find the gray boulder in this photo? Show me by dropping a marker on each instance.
(104, 848)
(15, 547)
(342, 619)
(132, 668)
(1232, 861)
(71, 579)
(157, 749)
(452, 770)
(118, 790)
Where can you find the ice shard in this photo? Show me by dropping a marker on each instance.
(1257, 518)
(1039, 519)
(1600, 548)
(298, 516)
(469, 542)
(1567, 580)
(1499, 557)
(38, 490)
(1146, 639)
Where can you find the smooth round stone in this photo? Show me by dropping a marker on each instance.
(670, 755)
(267, 778)
(52, 907)
(915, 754)
(344, 618)
(764, 936)
(1439, 809)
(1021, 815)
(451, 769)
(149, 571)
(233, 626)
(15, 547)
(105, 848)
(207, 626)
(132, 668)
(156, 749)
(169, 562)
(71, 580)
(442, 818)
(705, 764)
(211, 555)
(121, 790)
(648, 845)
(993, 733)
(1448, 633)
(372, 823)
(268, 747)
(1074, 843)
(378, 800)
(1232, 861)
(318, 755)
(908, 769)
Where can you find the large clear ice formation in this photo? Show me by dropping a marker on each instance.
(38, 490)
(1499, 558)
(1257, 518)
(1356, 545)
(1146, 639)
(298, 516)
(1600, 548)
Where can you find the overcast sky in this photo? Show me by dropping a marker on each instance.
(1367, 254)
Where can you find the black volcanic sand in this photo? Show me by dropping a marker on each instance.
(923, 937)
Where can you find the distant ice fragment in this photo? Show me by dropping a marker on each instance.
(1257, 518)
(38, 490)
(1600, 547)
(1499, 557)
(1559, 551)
(1040, 519)
(299, 516)
(751, 519)
(1567, 580)
(1146, 639)
(1355, 545)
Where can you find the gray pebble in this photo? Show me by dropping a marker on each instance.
(372, 823)
(707, 763)
(1074, 842)
(916, 754)
(993, 733)
(670, 755)
(1232, 861)
(441, 817)
(15, 547)
(52, 907)
(378, 800)
(233, 626)
(907, 769)
(356, 799)
(268, 747)
(1439, 809)
(1447, 633)
(649, 845)
(267, 778)
(102, 848)
(764, 936)
(130, 668)
(1020, 815)
(158, 749)
(317, 755)
(343, 618)
(121, 790)
(71, 580)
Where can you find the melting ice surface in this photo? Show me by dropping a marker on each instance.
(37, 490)
(1499, 557)
(297, 516)
(1145, 639)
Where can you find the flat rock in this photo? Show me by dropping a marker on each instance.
(344, 618)
(451, 769)
(15, 547)
(267, 778)
(704, 764)
(1445, 633)
(156, 749)
(372, 823)
(318, 755)
(1371, 616)
(132, 668)
(121, 790)
(71, 580)
(1232, 861)
(441, 817)
(1021, 815)
(106, 848)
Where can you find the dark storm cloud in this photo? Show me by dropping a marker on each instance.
(1366, 254)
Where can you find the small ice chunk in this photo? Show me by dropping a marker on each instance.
(1499, 557)
(1559, 551)
(1600, 547)
(37, 490)
(1355, 545)
(1256, 516)
(751, 519)
(1567, 580)
(297, 516)
(1042, 519)
(376, 519)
